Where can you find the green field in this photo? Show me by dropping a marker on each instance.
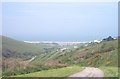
(61, 72)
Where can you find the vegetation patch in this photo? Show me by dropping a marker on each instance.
(61, 72)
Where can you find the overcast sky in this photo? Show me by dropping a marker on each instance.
(60, 21)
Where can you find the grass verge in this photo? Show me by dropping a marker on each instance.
(110, 71)
(61, 72)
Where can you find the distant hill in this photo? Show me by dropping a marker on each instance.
(15, 48)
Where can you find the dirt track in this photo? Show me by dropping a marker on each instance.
(89, 72)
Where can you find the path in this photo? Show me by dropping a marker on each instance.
(32, 59)
(89, 72)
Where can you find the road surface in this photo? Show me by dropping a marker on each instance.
(89, 72)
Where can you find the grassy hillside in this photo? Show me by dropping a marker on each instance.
(18, 48)
(21, 46)
(16, 54)
(103, 54)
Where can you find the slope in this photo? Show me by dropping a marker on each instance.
(104, 53)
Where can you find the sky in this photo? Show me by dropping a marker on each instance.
(63, 21)
(59, 0)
